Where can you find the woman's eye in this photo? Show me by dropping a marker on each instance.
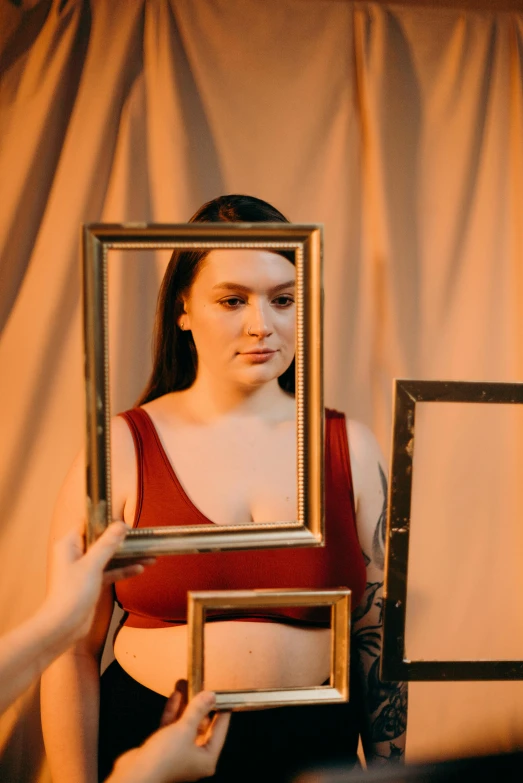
(286, 300)
(231, 302)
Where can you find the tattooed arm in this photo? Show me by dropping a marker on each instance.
(384, 704)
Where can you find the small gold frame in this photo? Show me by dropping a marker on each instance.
(198, 603)
(306, 241)
(395, 666)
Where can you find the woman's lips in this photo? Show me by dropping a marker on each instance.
(258, 357)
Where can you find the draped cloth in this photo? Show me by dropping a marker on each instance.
(398, 126)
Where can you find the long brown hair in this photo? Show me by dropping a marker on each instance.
(175, 360)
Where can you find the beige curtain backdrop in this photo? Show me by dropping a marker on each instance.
(400, 127)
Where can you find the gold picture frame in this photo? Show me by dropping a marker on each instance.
(198, 603)
(395, 666)
(306, 241)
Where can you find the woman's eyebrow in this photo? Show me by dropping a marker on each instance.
(247, 290)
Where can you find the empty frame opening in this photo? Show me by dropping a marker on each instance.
(466, 533)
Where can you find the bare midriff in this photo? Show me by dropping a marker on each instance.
(238, 655)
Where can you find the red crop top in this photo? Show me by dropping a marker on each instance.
(158, 597)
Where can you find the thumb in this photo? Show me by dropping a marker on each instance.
(104, 548)
(171, 709)
(197, 709)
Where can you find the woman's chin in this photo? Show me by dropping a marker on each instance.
(257, 376)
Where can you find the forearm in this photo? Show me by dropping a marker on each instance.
(384, 704)
(70, 706)
(384, 735)
(26, 652)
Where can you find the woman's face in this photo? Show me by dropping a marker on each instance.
(240, 309)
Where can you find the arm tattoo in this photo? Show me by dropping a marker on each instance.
(391, 721)
(378, 540)
(386, 702)
(395, 754)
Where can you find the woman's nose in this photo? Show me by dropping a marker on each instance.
(259, 321)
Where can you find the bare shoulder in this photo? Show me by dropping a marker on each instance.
(365, 454)
(70, 507)
(369, 478)
(362, 441)
(122, 444)
(123, 466)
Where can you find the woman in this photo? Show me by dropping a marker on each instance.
(213, 439)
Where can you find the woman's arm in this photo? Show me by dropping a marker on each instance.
(385, 704)
(70, 705)
(70, 687)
